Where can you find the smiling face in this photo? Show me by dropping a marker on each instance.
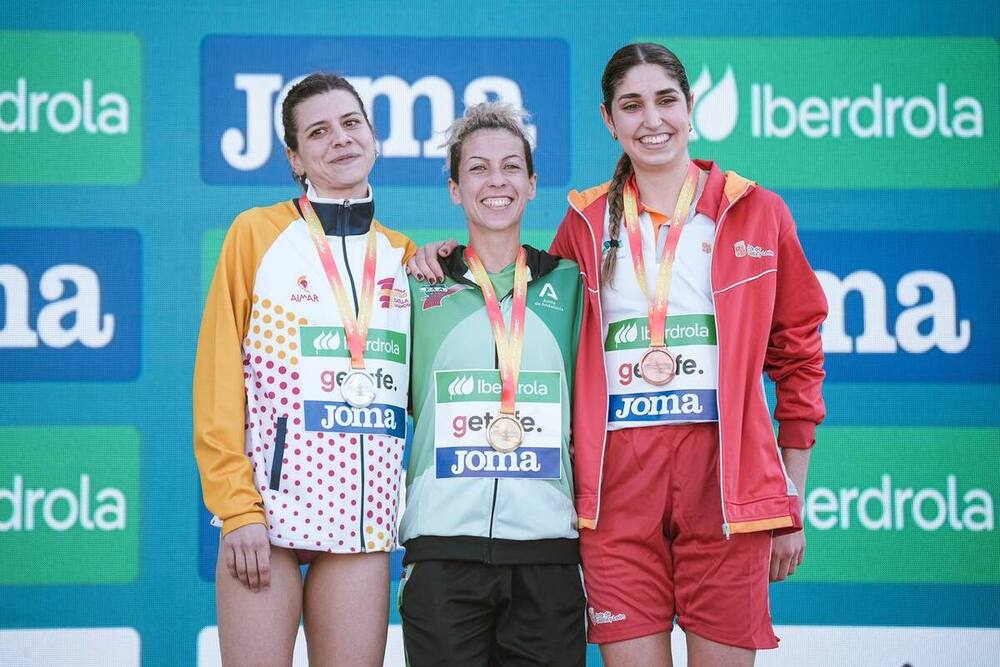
(650, 116)
(336, 147)
(493, 185)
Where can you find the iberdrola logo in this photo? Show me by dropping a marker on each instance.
(327, 341)
(716, 107)
(627, 334)
(460, 386)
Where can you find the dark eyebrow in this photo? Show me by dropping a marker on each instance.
(506, 157)
(347, 115)
(312, 125)
(638, 96)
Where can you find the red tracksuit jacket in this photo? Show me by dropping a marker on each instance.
(768, 309)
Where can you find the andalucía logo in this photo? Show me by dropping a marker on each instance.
(923, 500)
(71, 304)
(919, 102)
(69, 505)
(70, 107)
(412, 87)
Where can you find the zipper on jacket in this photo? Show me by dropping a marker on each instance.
(496, 480)
(726, 529)
(343, 221)
(604, 367)
(277, 458)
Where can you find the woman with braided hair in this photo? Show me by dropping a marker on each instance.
(696, 286)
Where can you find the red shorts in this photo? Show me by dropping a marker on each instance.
(659, 551)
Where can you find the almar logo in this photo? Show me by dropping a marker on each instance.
(922, 101)
(69, 498)
(303, 293)
(413, 87)
(77, 121)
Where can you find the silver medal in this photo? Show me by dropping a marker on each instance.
(358, 388)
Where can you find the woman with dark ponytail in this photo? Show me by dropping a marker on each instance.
(298, 428)
(696, 286)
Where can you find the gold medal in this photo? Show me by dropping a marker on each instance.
(505, 433)
(657, 366)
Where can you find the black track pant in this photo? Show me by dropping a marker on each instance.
(469, 614)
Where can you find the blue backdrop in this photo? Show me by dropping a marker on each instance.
(130, 136)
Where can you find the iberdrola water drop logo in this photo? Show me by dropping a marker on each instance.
(627, 334)
(716, 107)
(460, 386)
(327, 341)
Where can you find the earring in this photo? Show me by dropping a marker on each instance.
(614, 135)
(690, 127)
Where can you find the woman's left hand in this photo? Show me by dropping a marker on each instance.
(787, 552)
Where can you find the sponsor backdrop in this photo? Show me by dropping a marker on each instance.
(130, 137)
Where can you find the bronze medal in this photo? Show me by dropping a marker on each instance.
(657, 366)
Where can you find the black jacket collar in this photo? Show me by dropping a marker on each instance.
(539, 263)
(348, 219)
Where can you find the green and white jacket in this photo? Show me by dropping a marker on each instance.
(465, 501)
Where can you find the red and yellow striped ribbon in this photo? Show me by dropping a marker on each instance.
(355, 326)
(658, 304)
(508, 346)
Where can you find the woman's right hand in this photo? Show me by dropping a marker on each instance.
(426, 263)
(248, 555)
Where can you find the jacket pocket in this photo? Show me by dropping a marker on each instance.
(281, 428)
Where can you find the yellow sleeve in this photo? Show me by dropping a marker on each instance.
(397, 240)
(219, 394)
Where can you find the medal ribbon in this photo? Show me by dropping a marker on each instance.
(508, 347)
(658, 304)
(355, 327)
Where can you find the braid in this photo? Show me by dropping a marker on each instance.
(623, 171)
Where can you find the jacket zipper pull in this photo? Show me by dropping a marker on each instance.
(725, 530)
(345, 216)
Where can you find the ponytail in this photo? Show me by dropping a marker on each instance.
(623, 171)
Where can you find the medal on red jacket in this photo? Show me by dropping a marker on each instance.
(657, 365)
(505, 433)
(358, 387)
